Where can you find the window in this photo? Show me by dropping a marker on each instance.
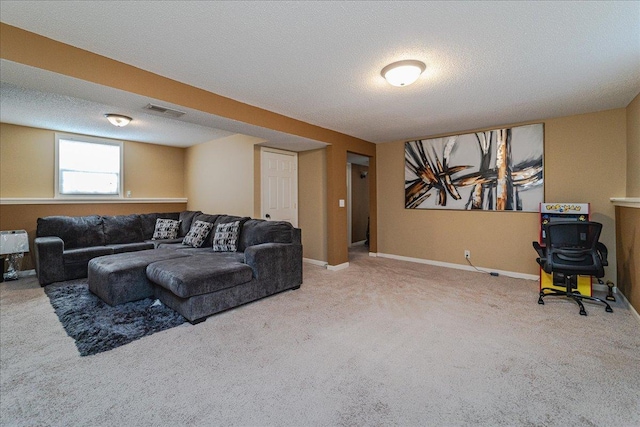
(88, 166)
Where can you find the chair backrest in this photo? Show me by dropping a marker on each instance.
(571, 247)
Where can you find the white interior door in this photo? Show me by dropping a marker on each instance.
(279, 181)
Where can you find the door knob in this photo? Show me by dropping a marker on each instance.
(268, 216)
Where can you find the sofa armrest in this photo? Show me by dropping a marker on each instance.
(49, 261)
(277, 264)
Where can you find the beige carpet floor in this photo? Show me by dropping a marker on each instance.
(381, 343)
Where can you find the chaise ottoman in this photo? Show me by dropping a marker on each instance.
(121, 278)
(203, 285)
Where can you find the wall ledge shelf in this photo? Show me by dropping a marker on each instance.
(627, 202)
(85, 200)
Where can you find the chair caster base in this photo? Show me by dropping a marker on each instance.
(583, 312)
(608, 310)
(540, 301)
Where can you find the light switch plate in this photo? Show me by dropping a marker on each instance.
(341, 203)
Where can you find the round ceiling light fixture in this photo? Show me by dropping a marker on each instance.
(403, 73)
(118, 119)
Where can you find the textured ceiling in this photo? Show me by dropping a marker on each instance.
(488, 63)
(42, 99)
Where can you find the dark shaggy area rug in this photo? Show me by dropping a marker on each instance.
(98, 327)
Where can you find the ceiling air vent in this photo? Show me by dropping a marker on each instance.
(164, 110)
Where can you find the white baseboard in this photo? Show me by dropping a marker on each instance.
(603, 288)
(628, 304)
(460, 266)
(326, 264)
(373, 254)
(338, 267)
(315, 262)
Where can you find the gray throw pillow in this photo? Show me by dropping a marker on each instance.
(197, 234)
(226, 237)
(166, 229)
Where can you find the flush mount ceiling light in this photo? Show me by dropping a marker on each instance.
(118, 119)
(403, 73)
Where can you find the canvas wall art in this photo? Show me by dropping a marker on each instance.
(497, 170)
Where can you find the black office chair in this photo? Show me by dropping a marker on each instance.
(571, 249)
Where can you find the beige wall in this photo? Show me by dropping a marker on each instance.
(312, 202)
(27, 163)
(27, 166)
(219, 175)
(585, 158)
(633, 148)
(154, 170)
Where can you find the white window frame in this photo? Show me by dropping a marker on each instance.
(91, 140)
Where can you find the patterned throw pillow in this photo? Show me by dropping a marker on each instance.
(166, 229)
(197, 234)
(226, 237)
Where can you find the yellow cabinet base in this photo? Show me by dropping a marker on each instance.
(583, 285)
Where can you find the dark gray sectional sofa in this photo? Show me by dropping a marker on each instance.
(124, 264)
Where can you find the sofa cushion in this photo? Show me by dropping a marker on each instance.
(75, 232)
(121, 278)
(131, 247)
(122, 229)
(166, 229)
(228, 256)
(83, 255)
(198, 274)
(226, 237)
(222, 219)
(186, 221)
(159, 243)
(258, 231)
(197, 234)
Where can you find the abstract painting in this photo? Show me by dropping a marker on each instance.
(496, 170)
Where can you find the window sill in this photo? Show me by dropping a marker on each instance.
(85, 200)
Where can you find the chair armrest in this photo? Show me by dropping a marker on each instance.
(49, 261)
(542, 253)
(603, 252)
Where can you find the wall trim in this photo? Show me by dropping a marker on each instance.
(460, 266)
(338, 267)
(85, 200)
(315, 262)
(627, 202)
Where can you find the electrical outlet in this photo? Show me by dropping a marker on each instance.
(467, 254)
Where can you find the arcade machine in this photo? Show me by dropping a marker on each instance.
(550, 212)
